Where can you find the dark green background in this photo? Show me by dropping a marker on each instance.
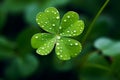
(18, 61)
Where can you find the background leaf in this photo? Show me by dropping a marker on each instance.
(22, 67)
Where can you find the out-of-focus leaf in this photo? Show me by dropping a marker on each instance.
(113, 50)
(56, 2)
(103, 43)
(116, 67)
(31, 12)
(22, 67)
(2, 17)
(107, 46)
(95, 68)
(62, 65)
(24, 38)
(6, 48)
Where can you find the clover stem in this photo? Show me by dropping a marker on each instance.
(92, 24)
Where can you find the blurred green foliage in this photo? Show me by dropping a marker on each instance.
(100, 56)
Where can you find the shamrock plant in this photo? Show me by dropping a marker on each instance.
(58, 33)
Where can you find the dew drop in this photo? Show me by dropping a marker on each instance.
(65, 20)
(58, 53)
(61, 56)
(53, 24)
(47, 11)
(55, 13)
(71, 44)
(68, 16)
(36, 37)
(50, 28)
(75, 54)
(68, 31)
(74, 31)
(57, 43)
(42, 26)
(58, 37)
(46, 22)
(76, 43)
(69, 40)
(36, 19)
(43, 48)
(58, 47)
(60, 27)
(57, 17)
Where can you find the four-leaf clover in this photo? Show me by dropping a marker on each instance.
(58, 33)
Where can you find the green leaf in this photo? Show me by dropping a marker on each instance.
(96, 67)
(107, 46)
(21, 67)
(71, 25)
(49, 20)
(44, 42)
(67, 48)
(6, 48)
(2, 17)
(103, 43)
(113, 50)
(115, 67)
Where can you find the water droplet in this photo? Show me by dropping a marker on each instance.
(50, 28)
(74, 34)
(38, 23)
(42, 26)
(53, 24)
(36, 19)
(58, 37)
(36, 36)
(60, 27)
(46, 22)
(47, 11)
(57, 43)
(74, 31)
(76, 43)
(68, 16)
(75, 54)
(55, 13)
(61, 56)
(69, 40)
(68, 31)
(43, 48)
(58, 53)
(57, 17)
(71, 44)
(81, 27)
(58, 47)
(65, 20)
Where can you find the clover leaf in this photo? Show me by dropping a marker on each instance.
(58, 33)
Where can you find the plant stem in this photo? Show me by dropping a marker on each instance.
(91, 25)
